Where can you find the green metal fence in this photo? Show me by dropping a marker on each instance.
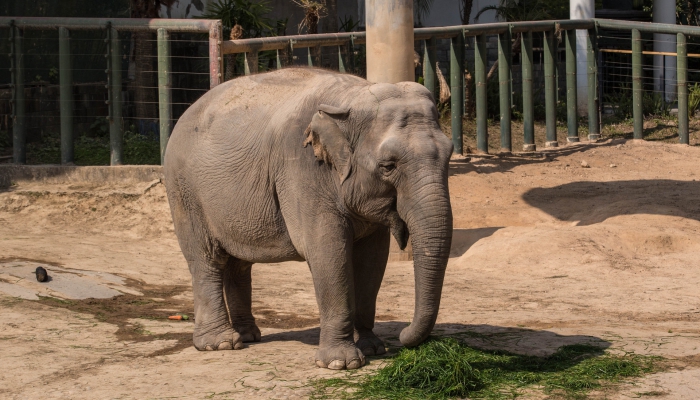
(287, 50)
(475, 36)
(113, 73)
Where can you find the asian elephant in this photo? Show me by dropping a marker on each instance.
(308, 164)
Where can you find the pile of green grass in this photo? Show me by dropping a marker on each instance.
(446, 368)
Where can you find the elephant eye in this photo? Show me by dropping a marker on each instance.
(387, 167)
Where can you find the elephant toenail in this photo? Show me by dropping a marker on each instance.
(336, 364)
(320, 364)
(208, 347)
(355, 363)
(368, 351)
(225, 345)
(238, 346)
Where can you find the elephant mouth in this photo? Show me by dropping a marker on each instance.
(398, 229)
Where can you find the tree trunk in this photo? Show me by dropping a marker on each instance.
(469, 104)
(330, 25)
(515, 48)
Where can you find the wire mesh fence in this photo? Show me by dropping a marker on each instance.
(161, 72)
(99, 86)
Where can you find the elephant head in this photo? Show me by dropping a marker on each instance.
(391, 161)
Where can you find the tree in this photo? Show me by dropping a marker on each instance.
(513, 11)
(242, 19)
(313, 12)
(465, 11)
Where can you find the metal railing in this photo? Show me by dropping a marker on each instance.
(459, 35)
(113, 71)
(474, 36)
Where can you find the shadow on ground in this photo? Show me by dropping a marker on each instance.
(523, 341)
(488, 164)
(594, 202)
(463, 239)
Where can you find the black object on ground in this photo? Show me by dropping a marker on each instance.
(41, 274)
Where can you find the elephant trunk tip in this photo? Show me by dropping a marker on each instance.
(411, 337)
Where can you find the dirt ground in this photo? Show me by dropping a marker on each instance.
(546, 252)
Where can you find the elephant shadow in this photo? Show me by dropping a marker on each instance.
(519, 341)
(464, 239)
(593, 202)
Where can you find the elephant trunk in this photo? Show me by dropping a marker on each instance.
(429, 219)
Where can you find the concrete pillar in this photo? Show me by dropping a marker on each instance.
(664, 12)
(581, 9)
(389, 26)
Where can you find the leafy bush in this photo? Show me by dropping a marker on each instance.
(693, 99)
(88, 150)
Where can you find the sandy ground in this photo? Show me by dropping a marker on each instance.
(546, 253)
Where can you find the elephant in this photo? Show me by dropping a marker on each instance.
(310, 165)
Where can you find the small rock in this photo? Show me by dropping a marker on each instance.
(584, 164)
(619, 146)
(41, 274)
(613, 166)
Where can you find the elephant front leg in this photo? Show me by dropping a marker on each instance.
(370, 255)
(329, 258)
(238, 290)
(212, 328)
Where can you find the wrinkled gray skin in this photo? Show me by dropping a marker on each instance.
(307, 164)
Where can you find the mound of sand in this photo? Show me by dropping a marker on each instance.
(588, 243)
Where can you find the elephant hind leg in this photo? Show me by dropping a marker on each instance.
(212, 328)
(238, 290)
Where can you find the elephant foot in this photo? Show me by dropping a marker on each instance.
(248, 332)
(225, 340)
(342, 356)
(369, 343)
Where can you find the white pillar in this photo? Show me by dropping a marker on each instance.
(664, 12)
(389, 26)
(581, 9)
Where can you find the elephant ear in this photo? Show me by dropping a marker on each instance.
(328, 141)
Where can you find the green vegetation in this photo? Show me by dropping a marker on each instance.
(444, 368)
(93, 149)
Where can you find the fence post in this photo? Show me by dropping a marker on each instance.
(550, 87)
(429, 71)
(682, 76)
(480, 65)
(19, 133)
(504, 76)
(571, 92)
(528, 109)
(116, 134)
(278, 60)
(314, 56)
(66, 95)
(341, 63)
(351, 54)
(593, 95)
(637, 114)
(250, 62)
(216, 61)
(164, 90)
(456, 87)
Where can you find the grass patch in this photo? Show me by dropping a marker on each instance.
(444, 368)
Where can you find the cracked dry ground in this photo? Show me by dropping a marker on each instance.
(546, 253)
